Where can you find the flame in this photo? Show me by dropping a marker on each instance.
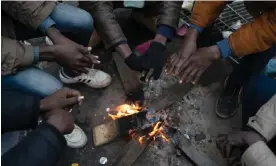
(124, 110)
(157, 130)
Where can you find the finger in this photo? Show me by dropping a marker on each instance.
(228, 150)
(72, 93)
(183, 65)
(192, 74)
(172, 64)
(186, 72)
(71, 101)
(169, 62)
(92, 58)
(197, 77)
(149, 74)
(84, 50)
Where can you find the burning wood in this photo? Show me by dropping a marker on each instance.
(147, 121)
(123, 110)
(157, 131)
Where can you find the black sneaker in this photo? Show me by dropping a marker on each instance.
(226, 106)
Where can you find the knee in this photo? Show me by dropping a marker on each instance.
(84, 21)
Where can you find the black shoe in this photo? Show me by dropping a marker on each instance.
(226, 106)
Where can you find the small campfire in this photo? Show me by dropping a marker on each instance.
(148, 123)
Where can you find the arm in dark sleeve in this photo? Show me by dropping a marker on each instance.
(41, 147)
(105, 21)
(19, 111)
(168, 18)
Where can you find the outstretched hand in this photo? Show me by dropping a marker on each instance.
(193, 68)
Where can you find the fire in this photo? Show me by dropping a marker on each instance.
(157, 130)
(124, 110)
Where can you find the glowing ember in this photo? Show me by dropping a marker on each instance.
(157, 130)
(123, 110)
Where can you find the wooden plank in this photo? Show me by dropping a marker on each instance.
(195, 155)
(129, 78)
(130, 152)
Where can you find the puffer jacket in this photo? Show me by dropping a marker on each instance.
(252, 37)
(31, 13)
(108, 27)
(264, 122)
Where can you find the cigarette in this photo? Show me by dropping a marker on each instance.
(70, 110)
(80, 98)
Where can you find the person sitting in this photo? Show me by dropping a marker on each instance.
(68, 27)
(111, 33)
(258, 139)
(45, 143)
(254, 41)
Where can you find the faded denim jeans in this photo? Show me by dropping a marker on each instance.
(67, 19)
(34, 80)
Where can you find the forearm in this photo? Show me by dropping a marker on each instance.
(124, 50)
(55, 35)
(46, 53)
(45, 145)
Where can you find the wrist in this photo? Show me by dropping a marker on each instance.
(55, 35)
(47, 53)
(42, 106)
(192, 34)
(124, 50)
(216, 52)
(161, 39)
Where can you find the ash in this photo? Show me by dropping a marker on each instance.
(193, 116)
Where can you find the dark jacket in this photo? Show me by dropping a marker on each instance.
(253, 37)
(43, 146)
(107, 26)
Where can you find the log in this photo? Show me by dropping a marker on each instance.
(195, 155)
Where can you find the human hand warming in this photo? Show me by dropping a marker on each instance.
(176, 63)
(62, 98)
(62, 120)
(198, 63)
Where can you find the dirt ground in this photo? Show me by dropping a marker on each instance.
(194, 115)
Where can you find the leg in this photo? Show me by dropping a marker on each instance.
(256, 93)
(74, 22)
(250, 65)
(32, 80)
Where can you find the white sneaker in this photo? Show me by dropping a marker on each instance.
(76, 139)
(95, 78)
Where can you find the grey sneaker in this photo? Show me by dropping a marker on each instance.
(226, 106)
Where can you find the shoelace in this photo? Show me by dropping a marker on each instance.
(90, 77)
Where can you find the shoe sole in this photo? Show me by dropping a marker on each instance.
(223, 116)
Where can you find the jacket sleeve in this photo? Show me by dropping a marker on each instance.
(41, 147)
(256, 36)
(19, 111)
(29, 13)
(258, 154)
(206, 12)
(105, 21)
(170, 13)
(264, 121)
(14, 54)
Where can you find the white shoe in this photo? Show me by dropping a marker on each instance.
(76, 139)
(48, 41)
(95, 78)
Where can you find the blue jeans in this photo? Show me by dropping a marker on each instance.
(256, 93)
(72, 21)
